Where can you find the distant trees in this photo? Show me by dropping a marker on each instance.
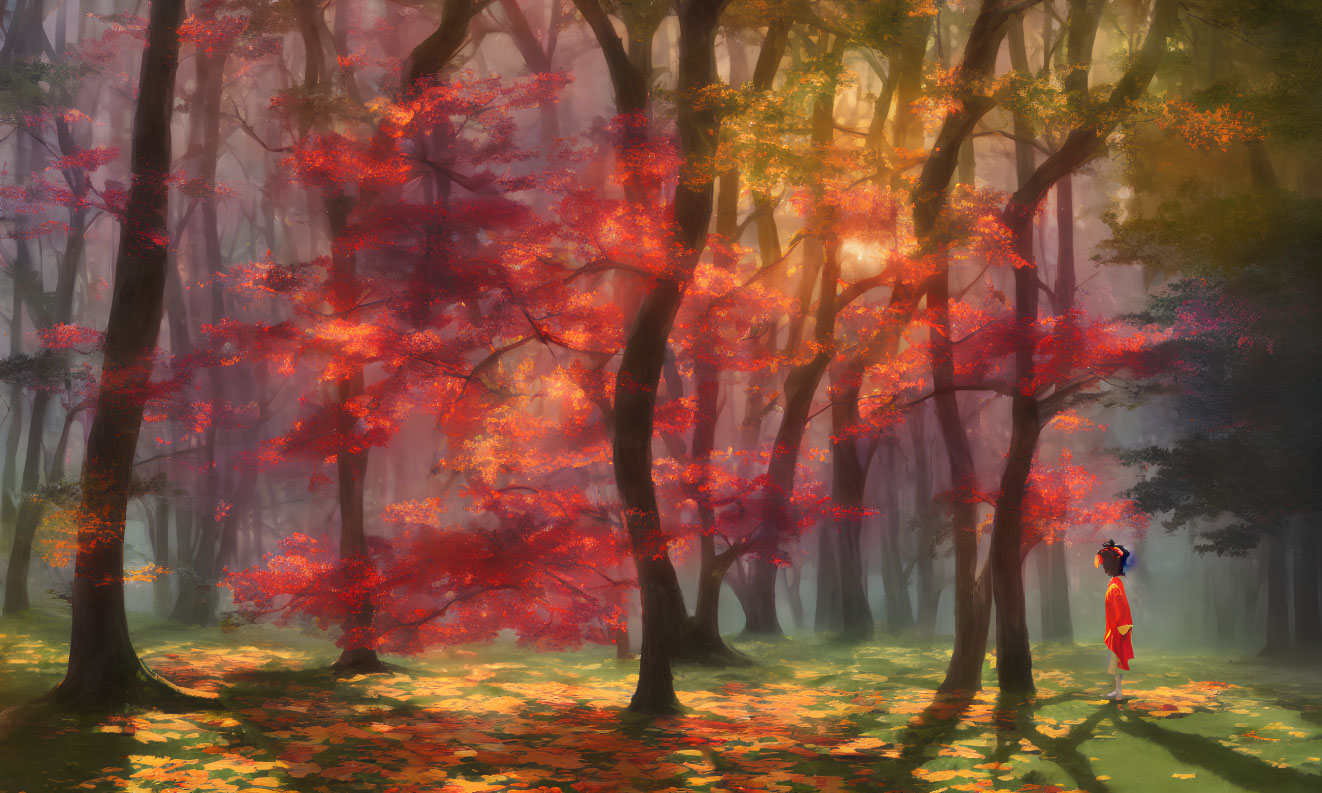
(1238, 246)
(1245, 384)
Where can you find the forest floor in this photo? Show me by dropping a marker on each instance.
(810, 715)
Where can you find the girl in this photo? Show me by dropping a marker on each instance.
(1119, 623)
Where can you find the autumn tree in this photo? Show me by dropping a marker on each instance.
(640, 367)
(104, 669)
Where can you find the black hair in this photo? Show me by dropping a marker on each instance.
(1112, 558)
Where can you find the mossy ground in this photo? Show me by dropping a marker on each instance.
(809, 715)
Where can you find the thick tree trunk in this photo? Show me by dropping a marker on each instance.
(307, 14)
(104, 670)
(972, 589)
(973, 610)
(194, 600)
(759, 600)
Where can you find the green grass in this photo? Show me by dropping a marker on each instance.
(810, 715)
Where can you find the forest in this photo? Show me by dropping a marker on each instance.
(661, 395)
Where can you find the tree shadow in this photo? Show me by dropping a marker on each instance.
(45, 748)
(922, 739)
(543, 743)
(1015, 718)
(1236, 768)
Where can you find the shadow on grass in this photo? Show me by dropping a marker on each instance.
(1236, 768)
(43, 749)
(1015, 718)
(375, 744)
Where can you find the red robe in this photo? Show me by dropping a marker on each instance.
(1117, 614)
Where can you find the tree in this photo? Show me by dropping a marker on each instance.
(1031, 407)
(644, 351)
(104, 669)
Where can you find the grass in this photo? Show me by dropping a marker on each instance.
(810, 715)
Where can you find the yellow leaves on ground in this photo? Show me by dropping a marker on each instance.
(463, 723)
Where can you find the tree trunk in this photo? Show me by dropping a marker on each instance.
(1307, 615)
(972, 588)
(1059, 626)
(848, 474)
(930, 198)
(195, 602)
(757, 401)
(29, 511)
(538, 61)
(1014, 660)
(104, 670)
(1046, 615)
(794, 594)
(10, 495)
(702, 641)
(820, 252)
(778, 517)
(640, 366)
(1062, 626)
(929, 594)
(826, 613)
(359, 655)
(894, 581)
(1278, 598)
(161, 550)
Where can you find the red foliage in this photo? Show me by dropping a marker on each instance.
(1061, 504)
(447, 309)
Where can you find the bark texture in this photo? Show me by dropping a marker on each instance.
(644, 354)
(104, 670)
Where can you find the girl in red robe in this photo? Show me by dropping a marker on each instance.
(1119, 622)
